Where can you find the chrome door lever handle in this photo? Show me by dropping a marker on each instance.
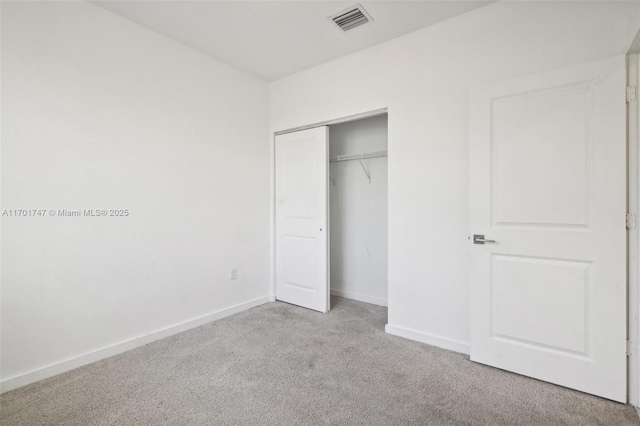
(479, 239)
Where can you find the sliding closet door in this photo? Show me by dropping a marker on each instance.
(301, 160)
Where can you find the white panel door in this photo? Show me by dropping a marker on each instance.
(302, 163)
(548, 297)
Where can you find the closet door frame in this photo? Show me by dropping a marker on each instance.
(272, 237)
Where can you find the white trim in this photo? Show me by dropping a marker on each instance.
(272, 216)
(347, 119)
(429, 339)
(633, 327)
(360, 297)
(118, 348)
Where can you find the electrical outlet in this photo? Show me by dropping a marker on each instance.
(233, 275)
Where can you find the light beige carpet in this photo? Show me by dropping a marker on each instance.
(283, 365)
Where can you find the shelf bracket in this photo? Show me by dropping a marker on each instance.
(333, 181)
(366, 172)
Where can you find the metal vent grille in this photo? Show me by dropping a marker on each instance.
(351, 18)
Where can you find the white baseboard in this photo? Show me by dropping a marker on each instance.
(429, 339)
(118, 348)
(360, 297)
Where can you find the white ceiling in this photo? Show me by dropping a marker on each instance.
(273, 39)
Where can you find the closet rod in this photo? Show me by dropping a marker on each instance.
(363, 156)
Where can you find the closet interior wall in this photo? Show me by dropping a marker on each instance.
(358, 211)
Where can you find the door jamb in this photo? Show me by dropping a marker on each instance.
(633, 236)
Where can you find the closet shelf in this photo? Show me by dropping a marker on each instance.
(359, 157)
(362, 156)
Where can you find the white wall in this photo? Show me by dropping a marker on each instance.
(424, 79)
(100, 113)
(359, 212)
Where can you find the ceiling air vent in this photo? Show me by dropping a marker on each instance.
(351, 18)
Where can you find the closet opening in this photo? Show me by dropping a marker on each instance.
(330, 212)
(358, 206)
